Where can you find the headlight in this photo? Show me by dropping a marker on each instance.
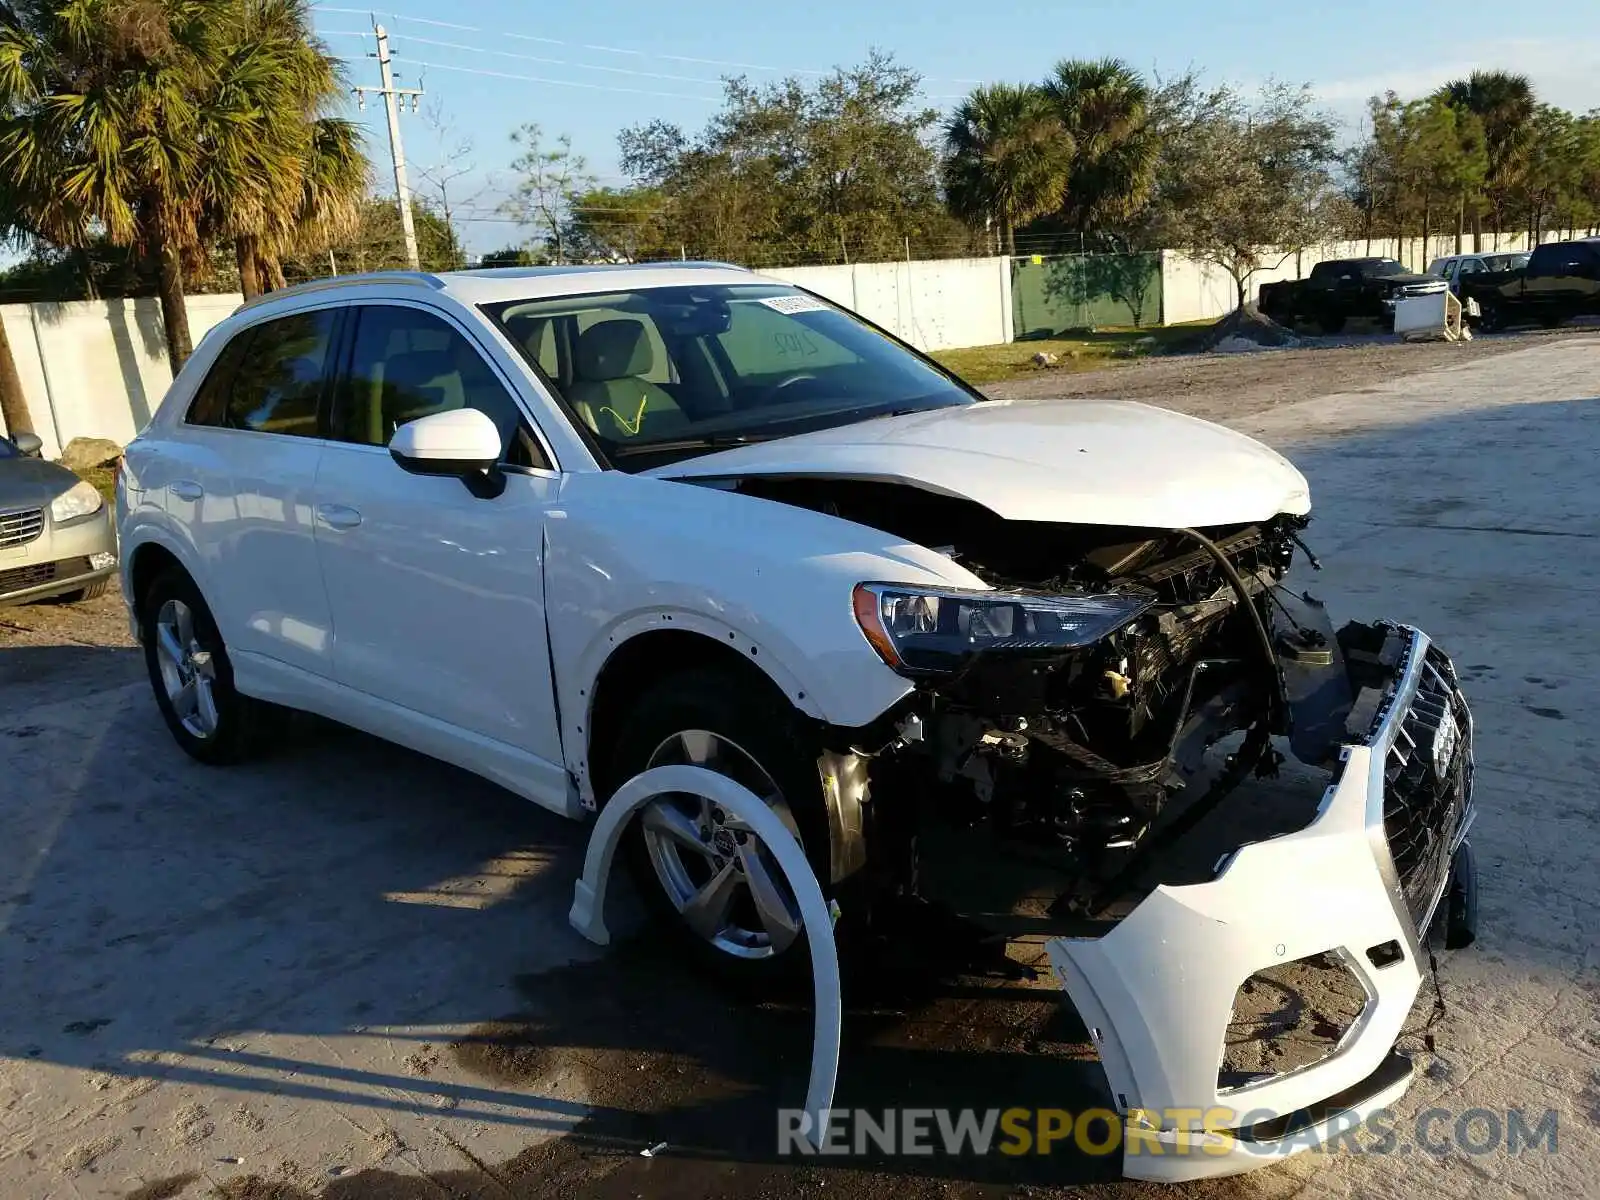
(917, 629)
(81, 500)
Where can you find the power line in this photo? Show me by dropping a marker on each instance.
(573, 83)
(560, 62)
(604, 49)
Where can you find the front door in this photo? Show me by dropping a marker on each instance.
(437, 595)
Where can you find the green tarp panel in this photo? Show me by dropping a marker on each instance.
(1079, 291)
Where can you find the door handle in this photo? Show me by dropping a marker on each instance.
(338, 516)
(186, 489)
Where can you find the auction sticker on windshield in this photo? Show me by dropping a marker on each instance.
(794, 304)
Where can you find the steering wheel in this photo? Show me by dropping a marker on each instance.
(771, 393)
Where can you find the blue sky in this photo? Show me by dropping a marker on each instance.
(593, 67)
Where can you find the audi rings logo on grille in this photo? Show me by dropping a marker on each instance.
(1445, 740)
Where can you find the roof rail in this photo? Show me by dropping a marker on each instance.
(411, 278)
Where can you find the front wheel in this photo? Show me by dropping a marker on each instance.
(1331, 322)
(704, 874)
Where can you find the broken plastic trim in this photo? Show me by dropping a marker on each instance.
(589, 898)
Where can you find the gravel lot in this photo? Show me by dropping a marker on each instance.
(346, 970)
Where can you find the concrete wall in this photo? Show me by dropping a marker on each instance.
(1199, 291)
(97, 368)
(937, 305)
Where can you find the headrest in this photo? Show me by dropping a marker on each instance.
(417, 367)
(614, 350)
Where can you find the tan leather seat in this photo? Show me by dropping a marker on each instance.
(608, 391)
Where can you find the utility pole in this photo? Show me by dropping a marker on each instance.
(393, 100)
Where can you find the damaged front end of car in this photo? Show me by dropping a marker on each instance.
(1089, 719)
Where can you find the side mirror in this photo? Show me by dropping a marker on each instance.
(462, 442)
(29, 444)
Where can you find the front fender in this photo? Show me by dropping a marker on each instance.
(626, 555)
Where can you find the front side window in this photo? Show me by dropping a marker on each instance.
(277, 384)
(407, 364)
(666, 373)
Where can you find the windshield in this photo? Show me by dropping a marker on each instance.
(662, 374)
(1506, 262)
(1387, 266)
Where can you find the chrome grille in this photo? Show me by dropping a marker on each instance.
(1428, 784)
(21, 526)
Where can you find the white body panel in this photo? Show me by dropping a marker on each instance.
(630, 554)
(1157, 991)
(1080, 461)
(437, 596)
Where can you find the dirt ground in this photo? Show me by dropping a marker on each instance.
(346, 972)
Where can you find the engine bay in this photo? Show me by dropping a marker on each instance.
(1089, 759)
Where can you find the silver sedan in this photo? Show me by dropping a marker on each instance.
(56, 533)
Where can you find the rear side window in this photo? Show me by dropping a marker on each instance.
(277, 385)
(407, 364)
(210, 405)
(1560, 258)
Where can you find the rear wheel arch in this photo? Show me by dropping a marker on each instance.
(149, 561)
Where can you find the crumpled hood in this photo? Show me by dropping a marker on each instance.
(31, 482)
(1089, 462)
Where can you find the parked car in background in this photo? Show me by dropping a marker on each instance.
(561, 526)
(1346, 289)
(1454, 268)
(56, 535)
(1560, 281)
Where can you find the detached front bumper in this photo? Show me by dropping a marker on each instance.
(1361, 883)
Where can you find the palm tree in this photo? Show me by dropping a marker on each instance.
(1007, 157)
(1505, 104)
(282, 172)
(101, 111)
(1105, 106)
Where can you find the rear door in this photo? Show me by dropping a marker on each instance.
(437, 595)
(240, 477)
(1560, 280)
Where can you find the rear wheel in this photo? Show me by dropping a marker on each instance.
(192, 677)
(1331, 322)
(705, 874)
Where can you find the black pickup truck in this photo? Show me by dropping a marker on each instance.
(1346, 288)
(1561, 281)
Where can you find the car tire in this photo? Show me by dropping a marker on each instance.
(739, 726)
(93, 592)
(1490, 318)
(1549, 321)
(192, 677)
(1331, 323)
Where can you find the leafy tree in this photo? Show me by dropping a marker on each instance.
(619, 225)
(1105, 107)
(840, 168)
(1504, 103)
(1008, 157)
(377, 243)
(1553, 168)
(1260, 185)
(549, 183)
